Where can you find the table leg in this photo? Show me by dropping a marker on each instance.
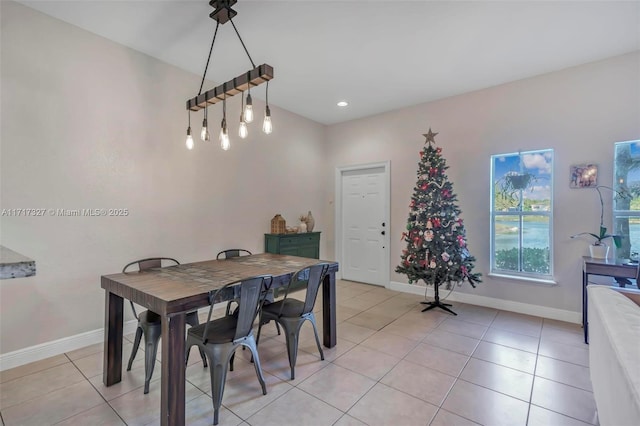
(172, 410)
(113, 323)
(329, 330)
(585, 323)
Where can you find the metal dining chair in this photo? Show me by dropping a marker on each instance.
(150, 325)
(230, 254)
(291, 313)
(220, 338)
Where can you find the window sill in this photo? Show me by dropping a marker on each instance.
(540, 281)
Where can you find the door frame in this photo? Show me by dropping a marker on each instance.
(386, 166)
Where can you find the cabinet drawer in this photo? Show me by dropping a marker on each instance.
(299, 241)
(304, 244)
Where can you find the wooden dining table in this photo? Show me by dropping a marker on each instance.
(173, 291)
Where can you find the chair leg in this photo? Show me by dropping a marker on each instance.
(251, 344)
(151, 349)
(312, 319)
(218, 372)
(291, 333)
(136, 344)
(192, 320)
(277, 327)
(259, 328)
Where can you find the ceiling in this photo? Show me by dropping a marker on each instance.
(377, 55)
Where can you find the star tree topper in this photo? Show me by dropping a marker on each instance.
(430, 137)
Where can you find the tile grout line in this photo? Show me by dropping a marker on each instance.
(98, 392)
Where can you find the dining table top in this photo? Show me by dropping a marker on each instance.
(180, 287)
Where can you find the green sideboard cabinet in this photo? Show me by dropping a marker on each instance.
(305, 244)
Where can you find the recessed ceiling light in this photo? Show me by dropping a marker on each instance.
(343, 103)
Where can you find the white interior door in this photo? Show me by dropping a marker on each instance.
(364, 224)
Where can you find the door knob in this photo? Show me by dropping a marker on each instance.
(382, 233)
(382, 223)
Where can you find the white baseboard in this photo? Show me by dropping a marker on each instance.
(490, 302)
(57, 347)
(66, 344)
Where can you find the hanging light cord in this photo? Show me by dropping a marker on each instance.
(209, 58)
(245, 47)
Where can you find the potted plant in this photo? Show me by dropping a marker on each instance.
(599, 249)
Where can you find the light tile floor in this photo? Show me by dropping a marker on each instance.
(393, 365)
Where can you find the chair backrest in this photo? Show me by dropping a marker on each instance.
(252, 294)
(143, 265)
(149, 262)
(313, 275)
(226, 254)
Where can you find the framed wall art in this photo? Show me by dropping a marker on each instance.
(584, 176)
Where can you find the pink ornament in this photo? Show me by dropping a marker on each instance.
(445, 256)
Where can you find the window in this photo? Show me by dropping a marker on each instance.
(626, 199)
(521, 214)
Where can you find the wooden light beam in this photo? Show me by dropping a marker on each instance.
(251, 78)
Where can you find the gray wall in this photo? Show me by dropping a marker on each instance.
(579, 112)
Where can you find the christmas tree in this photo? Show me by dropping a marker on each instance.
(436, 250)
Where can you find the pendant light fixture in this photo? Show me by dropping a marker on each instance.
(248, 109)
(224, 133)
(266, 124)
(242, 130)
(204, 134)
(222, 14)
(189, 141)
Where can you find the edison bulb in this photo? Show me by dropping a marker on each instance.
(266, 124)
(243, 131)
(248, 110)
(224, 138)
(189, 141)
(204, 133)
(267, 127)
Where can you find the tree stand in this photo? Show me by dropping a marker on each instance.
(436, 302)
